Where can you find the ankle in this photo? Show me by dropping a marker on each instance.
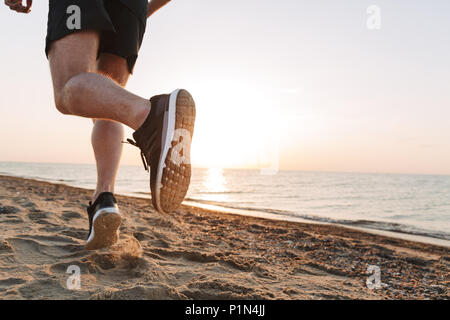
(101, 190)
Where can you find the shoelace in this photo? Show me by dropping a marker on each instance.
(144, 161)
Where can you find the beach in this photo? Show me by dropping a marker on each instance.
(196, 253)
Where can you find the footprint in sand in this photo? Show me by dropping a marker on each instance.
(43, 288)
(28, 251)
(50, 240)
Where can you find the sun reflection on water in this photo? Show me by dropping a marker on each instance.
(215, 185)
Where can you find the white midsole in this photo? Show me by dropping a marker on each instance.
(167, 136)
(97, 214)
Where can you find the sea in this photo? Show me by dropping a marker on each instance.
(397, 203)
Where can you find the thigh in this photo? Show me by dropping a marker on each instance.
(74, 54)
(126, 39)
(73, 49)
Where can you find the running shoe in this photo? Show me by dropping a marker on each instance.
(165, 142)
(104, 222)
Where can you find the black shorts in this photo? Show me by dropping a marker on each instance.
(121, 30)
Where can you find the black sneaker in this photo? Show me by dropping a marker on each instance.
(104, 222)
(165, 143)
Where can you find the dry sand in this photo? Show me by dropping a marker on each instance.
(198, 254)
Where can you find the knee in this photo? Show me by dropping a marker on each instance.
(66, 98)
(59, 104)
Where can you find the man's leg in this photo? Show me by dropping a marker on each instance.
(80, 91)
(73, 60)
(164, 127)
(107, 135)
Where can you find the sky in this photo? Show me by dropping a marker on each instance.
(300, 85)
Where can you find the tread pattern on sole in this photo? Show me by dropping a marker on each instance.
(176, 178)
(106, 233)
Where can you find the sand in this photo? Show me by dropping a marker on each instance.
(198, 254)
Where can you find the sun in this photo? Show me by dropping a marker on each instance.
(235, 126)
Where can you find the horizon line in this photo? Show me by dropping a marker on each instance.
(248, 168)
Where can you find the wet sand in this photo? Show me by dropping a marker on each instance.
(195, 253)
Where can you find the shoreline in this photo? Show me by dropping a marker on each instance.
(196, 253)
(290, 218)
(405, 235)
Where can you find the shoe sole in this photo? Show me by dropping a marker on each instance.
(105, 229)
(173, 176)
